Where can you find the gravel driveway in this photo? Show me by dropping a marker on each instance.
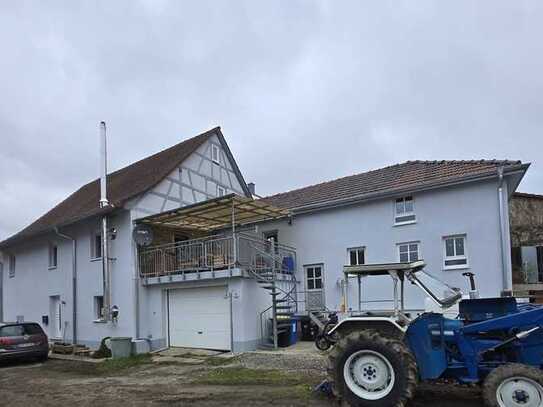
(251, 379)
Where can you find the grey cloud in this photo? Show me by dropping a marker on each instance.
(304, 90)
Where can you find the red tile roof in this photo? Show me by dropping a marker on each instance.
(399, 177)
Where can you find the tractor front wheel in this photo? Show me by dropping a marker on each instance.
(369, 370)
(514, 385)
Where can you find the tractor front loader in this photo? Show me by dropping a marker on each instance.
(379, 358)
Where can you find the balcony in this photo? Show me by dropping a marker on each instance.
(212, 244)
(215, 257)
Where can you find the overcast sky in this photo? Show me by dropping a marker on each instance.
(305, 91)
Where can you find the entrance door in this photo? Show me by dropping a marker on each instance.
(314, 284)
(199, 318)
(55, 317)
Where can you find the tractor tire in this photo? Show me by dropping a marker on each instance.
(370, 370)
(512, 385)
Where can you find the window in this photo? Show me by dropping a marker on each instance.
(215, 153)
(356, 256)
(99, 307)
(12, 330)
(53, 256)
(314, 277)
(408, 252)
(96, 245)
(11, 266)
(455, 252)
(220, 191)
(404, 211)
(272, 238)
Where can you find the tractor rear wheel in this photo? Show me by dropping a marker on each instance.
(370, 370)
(514, 385)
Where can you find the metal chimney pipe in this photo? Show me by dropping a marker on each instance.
(106, 276)
(103, 166)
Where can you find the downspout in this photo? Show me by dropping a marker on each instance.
(1, 289)
(135, 256)
(74, 283)
(505, 277)
(104, 203)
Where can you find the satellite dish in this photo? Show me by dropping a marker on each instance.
(143, 235)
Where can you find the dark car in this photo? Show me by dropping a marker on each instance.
(23, 340)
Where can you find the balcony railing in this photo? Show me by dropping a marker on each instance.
(217, 253)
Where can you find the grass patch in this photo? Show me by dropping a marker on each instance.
(232, 376)
(120, 364)
(221, 361)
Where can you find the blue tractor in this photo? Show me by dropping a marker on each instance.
(379, 357)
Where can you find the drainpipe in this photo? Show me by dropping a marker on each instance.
(1, 289)
(136, 289)
(501, 205)
(104, 203)
(74, 283)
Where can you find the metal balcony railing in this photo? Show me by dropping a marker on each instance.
(217, 253)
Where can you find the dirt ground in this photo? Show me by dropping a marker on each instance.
(210, 383)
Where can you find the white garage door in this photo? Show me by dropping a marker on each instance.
(200, 318)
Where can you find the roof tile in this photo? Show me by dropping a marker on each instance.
(410, 174)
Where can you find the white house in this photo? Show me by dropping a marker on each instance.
(218, 266)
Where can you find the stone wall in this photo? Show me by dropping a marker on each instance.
(526, 216)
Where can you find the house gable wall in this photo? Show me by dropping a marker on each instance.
(195, 180)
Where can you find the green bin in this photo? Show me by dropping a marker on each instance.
(121, 347)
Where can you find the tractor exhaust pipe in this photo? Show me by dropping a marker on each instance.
(473, 292)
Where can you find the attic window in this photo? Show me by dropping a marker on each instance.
(404, 211)
(215, 153)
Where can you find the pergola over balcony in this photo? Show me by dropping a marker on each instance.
(217, 214)
(221, 250)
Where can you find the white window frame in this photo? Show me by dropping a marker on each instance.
(215, 151)
(98, 311)
(314, 279)
(356, 250)
(53, 257)
(12, 264)
(409, 251)
(456, 257)
(219, 189)
(404, 213)
(93, 246)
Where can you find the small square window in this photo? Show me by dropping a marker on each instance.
(356, 256)
(404, 212)
(221, 191)
(215, 153)
(53, 256)
(455, 254)
(408, 252)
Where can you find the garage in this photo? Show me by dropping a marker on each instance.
(199, 318)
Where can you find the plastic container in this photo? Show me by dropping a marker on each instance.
(121, 347)
(293, 337)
